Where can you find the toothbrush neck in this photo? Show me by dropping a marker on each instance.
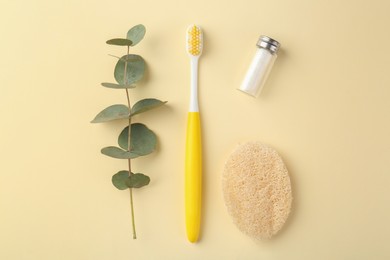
(194, 106)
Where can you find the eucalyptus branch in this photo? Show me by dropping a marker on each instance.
(136, 139)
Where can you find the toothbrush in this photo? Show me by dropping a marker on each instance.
(193, 160)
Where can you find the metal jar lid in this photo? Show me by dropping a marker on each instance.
(268, 44)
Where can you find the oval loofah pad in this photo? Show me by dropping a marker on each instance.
(257, 190)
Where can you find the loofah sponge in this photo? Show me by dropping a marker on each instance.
(257, 190)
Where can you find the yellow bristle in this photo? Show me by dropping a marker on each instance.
(194, 41)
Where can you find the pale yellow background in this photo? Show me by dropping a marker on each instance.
(325, 108)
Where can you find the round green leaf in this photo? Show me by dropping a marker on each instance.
(110, 113)
(142, 142)
(120, 180)
(145, 105)
(134, 71)
(137, 180)
(118, 153)
(136, 34)
(117, 86)
(120, 42)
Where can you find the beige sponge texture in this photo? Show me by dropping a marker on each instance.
(257, 190)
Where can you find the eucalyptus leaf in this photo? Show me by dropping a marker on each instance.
(117, 86)
(142, 142)
(120, 180)
(136, 34)
(146, 105)
(134, 71)
(137, 180)
(120, 42)
(110, 113)
(118, 153)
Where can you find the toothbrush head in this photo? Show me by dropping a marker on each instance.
(194, 41)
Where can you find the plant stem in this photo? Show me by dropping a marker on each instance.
(130, 173)
(132, 213)
(128, 146)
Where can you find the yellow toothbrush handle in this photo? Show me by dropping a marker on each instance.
(193, 177)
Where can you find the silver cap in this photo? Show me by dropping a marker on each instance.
(268, 43)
